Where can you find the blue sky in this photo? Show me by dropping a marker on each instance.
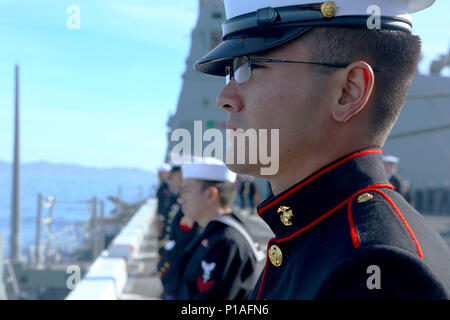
(101, 95)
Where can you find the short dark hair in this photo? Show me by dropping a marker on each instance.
(227, 191)
(175, 169)
(395, 53)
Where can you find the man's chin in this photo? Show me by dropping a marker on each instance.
(247, 169)
(187, 214)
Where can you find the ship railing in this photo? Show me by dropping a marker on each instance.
(107, 277)
(9, 278)
(53, 246)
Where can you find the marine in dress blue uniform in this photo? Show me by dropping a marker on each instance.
(341, 232)
(183, 232)
(162, 194)
(164, 236)
(337, 228)
(168, 216)
(220, 263)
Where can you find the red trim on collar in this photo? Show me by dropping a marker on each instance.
(318, 174)
(379, 185)
(312, 223)
(347, 201)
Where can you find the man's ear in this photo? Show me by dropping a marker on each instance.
(357, 81)
(212, 194)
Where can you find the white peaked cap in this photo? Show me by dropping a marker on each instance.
(389, 8)
(164, 167)
(392, 159)
(208, 168)
(254, 26)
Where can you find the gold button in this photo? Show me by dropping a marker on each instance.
(328, 9)
(286, 215)
(364, 197)
(275, 255)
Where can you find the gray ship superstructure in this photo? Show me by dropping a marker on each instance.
(197, 99)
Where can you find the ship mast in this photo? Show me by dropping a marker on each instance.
(15, 204)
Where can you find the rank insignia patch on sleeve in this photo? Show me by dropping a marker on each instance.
(203, 282)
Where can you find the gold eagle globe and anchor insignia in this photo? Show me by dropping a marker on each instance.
(364, 197)
(275, 255)
(286, 216)
(329, 9)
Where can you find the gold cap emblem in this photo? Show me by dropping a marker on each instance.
(275, 255)
(364, 197)
(329, 9)
(286, 216)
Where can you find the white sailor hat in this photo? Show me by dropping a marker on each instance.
(165, 167)
(208, 168)
(391, 159)
(254, 25)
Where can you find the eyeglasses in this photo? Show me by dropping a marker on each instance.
(242, 67)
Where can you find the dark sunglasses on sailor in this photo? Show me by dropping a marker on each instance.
(242, 67)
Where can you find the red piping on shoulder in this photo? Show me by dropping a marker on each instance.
(318, 174)
(397, 211)
(411, 233)
(353, 234)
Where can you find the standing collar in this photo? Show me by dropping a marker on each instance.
(322, 193)
(206, 231)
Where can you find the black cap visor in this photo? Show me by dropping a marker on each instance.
(215, 61)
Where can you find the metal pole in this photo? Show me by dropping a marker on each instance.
(51, 201)
(102, 225)
(15, 219)
(94, 230)
(38, 231)
(3, 295)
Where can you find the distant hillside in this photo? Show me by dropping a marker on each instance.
(44, 167)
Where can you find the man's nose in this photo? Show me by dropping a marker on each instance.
(229, 98)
